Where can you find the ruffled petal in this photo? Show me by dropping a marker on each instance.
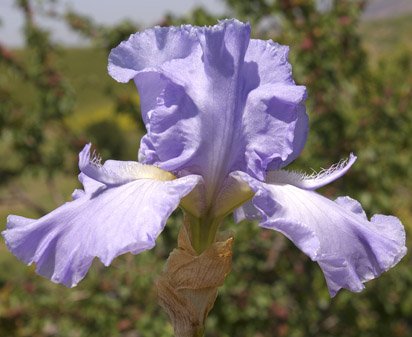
(275, 126)
(221, 103)
(280, 101)
(210, 86)
(122, 208)
(172, 121)
(300, 133)
(240, 117)
(149, 49)
(104, 224)
(349, 248)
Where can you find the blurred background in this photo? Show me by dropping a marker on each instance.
(355, 57)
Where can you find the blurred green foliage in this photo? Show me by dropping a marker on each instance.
(359, 77)
(31, 134)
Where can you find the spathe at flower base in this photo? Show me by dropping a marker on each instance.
(187, 289)
(223, 118)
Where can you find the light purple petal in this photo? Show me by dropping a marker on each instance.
(275, 126)
(313, 181)
(104, 224)
(90, 185)
(281, 101)
(222, 103)
(113, 172)
(300, 133)
(172, 123)
(91, 166)
(350, 249)
(247, 211)
(149, 49)
(304, 181)
(210, 80)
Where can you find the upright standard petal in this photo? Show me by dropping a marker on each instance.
(348, 247)
(217, 96)
(102, 221)
(149, 49)
(229, 103)
(275, 120)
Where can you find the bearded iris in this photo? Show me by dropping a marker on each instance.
(223, 118)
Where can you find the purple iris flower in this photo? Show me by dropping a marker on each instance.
(223, 117)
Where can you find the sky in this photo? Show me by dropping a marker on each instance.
(144, 12)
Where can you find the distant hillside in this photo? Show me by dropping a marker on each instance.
(382, 9)
(386, 37)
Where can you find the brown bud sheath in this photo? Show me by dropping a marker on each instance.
(187, 288)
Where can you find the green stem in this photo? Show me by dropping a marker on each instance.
(203, 232)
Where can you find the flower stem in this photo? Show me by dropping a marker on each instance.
(202, 232)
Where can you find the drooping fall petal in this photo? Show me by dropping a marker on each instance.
(102, 221)
(349, 248)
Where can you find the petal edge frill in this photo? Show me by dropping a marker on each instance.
(348, 247)
(149, 49)
(107, 223)
(275, 108)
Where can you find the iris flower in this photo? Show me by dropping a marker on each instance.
(223, 118)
